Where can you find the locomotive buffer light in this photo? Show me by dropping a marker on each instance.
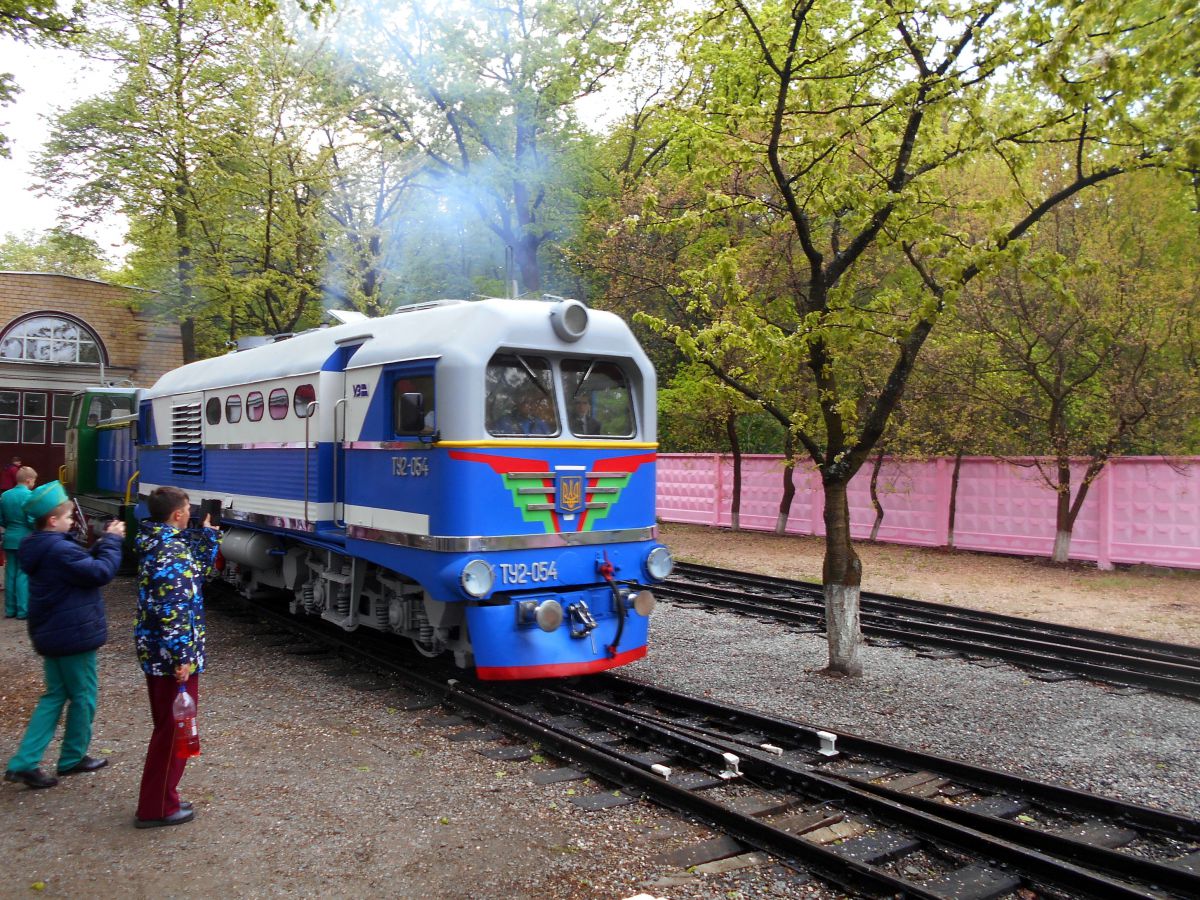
(478, 578)
(660, 564)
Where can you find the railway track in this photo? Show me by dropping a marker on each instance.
(872, 818)
(1097, 655)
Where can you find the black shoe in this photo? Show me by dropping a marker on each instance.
(185, 805)
(35, 778)
(178, 818)
(87, 764)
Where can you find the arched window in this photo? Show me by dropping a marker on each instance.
(46, 338)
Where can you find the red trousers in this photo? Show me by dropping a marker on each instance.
(160, 776)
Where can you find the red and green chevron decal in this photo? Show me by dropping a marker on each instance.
(533, 484)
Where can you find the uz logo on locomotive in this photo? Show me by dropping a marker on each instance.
(360, 390)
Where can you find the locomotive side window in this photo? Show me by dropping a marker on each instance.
(599, 401)
(212, 410)
(254, 406)
(278, 403)
(520, 396)
(411, 415)
(233, 408)
(104, 407)
(305, 394)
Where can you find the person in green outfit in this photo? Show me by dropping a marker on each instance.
(16, 527)
(67, 624)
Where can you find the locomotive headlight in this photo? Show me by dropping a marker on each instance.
(569, 318)
(660, 563)
(478, 578)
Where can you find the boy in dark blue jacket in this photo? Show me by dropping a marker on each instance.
(66, 625)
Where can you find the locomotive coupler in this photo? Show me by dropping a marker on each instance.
(580, 619)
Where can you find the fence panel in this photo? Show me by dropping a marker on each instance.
(1139, 510)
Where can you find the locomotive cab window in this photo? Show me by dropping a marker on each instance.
(599, 400)
(520, 396)
(105, 407)
(413, 405)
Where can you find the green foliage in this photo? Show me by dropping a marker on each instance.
(816, 214)
(56, 251)
(32, 21)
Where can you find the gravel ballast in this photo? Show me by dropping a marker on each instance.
(1141, 747)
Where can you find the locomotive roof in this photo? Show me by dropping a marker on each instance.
(470, 332)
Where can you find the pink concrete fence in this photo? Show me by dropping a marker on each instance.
(1140, 509)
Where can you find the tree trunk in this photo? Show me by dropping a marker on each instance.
(958, 455)
(842, 576)
(187, 337)
(875, 496)
(789, 485)
(1062, 547)
(735, 448)
(1062, 514)
(528, 266)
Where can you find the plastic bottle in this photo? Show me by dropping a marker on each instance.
(187, 737)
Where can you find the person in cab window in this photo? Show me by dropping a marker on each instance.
(582, 420)
(533, 415)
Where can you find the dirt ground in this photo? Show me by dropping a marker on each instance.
(1144, 601)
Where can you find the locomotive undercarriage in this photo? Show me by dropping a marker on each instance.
(349, 592)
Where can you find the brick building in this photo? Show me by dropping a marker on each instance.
(59, 334)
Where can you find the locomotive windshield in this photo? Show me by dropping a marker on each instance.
(520, 396)
(599, 403)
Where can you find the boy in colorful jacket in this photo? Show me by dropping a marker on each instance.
(170, 639)
(67, 624)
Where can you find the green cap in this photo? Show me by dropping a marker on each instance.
(45, 499)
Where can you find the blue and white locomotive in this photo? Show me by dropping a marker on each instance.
(478, 477)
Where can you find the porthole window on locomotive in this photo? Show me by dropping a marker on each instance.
(278, 403)
(254, 406)
(233, 408)
(212, 410)
(305, 395)
(520, 396)
(598, 399)
(412, 385)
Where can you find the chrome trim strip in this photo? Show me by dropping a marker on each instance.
(540, 507)
(389, 445)
(269, 521)
(267, 445)
(479, 544)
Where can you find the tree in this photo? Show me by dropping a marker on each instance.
(140, 149)
(843, 136)
(488, 93)
(55, 251)
(1091, 326)
(32, 21)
